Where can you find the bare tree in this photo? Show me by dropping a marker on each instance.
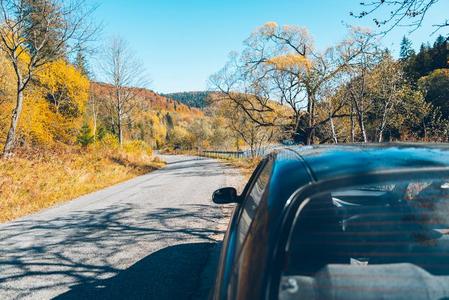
(404, 13)
(266, 72)
(280, 64)
(377, 91)
(93, 110)
(127, 77)
(368, 55)
(34, 33)
(252, 134)
(387, 79)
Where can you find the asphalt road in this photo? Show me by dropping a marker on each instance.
(152, 237)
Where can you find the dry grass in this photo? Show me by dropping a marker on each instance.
(35, 181)
(246, 165)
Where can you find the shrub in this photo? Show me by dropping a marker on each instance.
(110, 141)
(181, 138)
(85, 137)
(137, 147)
(101, 133)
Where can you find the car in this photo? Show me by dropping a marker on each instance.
(339, 222)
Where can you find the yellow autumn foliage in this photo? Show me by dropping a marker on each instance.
(53, 107)
(7, 89)
(180, 137)
(271, 25)
(65, 87)
(158, 130)
(36, 120)
(290, 61)
(268, 28)
(137, 147)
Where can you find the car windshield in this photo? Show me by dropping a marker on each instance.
(390, 239)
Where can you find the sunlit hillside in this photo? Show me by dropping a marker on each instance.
(150, 100)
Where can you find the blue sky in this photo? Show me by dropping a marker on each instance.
(182, 42)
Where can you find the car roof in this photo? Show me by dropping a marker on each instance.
(332, 161)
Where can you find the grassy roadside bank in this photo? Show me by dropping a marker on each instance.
(31, 182)
(246, 165)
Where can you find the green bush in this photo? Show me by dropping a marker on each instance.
(85, 136)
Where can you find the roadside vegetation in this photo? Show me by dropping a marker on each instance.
(31, 181)
(245, 165)
(66, 130)
(54, 148)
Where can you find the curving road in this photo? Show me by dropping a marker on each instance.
(148, 238)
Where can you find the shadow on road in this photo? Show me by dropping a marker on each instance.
(82, 247)
(170, 273)
(92, 245)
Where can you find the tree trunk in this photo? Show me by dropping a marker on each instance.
(119, 116)
(11, 137)
(362, 128)
(120, 129)
(352, 124)
(384, 122)
(296, 132)
(381, 132)
(94, 117)
(252, 150)
(424, 130)
(311, 136)
(359, 113)
(334, 133)
(310, 118)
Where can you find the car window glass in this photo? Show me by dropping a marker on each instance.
(252, 201)
(393, 239)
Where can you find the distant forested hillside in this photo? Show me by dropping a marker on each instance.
(192, 99)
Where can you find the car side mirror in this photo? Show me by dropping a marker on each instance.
(225, 196)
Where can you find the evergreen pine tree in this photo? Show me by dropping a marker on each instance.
(406, 49)
(85, 137)
(439, 53)
(101, 133)
(81, 63)
(43, 23)
(423, 62)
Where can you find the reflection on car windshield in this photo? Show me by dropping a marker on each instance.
(388, 235)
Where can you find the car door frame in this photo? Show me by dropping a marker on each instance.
(249, 187)
(228, 252)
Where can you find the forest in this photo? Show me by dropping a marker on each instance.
(355, 91)
(194, 99)
(66, 131)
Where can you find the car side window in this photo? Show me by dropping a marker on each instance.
(252, 200)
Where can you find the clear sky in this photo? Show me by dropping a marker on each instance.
(183, 42)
